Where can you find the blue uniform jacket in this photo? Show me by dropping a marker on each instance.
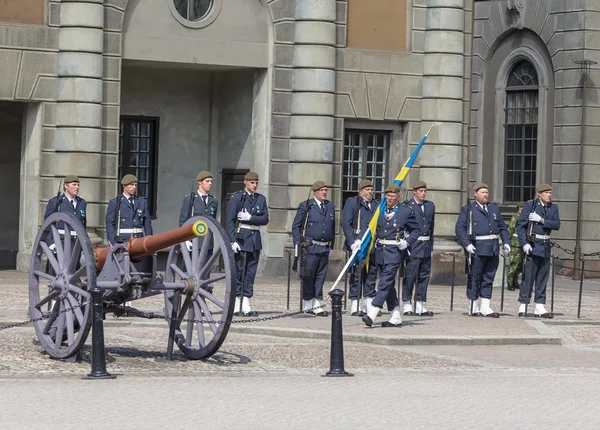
(200, 209)
(320, 225)
(256, 206)
(426, 220)
(402, 221)
(541, 247)
(363, 216)
(65, 206)
(130, 217)
(483, 225)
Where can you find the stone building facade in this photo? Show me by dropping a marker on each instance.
(296, 90)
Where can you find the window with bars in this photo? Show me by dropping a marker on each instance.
(521, 127)
(365, 157)
(138, 139)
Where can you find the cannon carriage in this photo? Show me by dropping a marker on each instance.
(64, 267)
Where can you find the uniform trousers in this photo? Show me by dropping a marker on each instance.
(245, 286)
(314, 278)
(418, 271)
(361, 279)
(483, 270)
(387, 275)
(536, 270)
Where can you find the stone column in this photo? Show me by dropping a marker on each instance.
(79, 97)
(313, 103)
(442, 156)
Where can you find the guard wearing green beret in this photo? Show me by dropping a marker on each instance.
(199, 203)
(478, 229)
(247, 211)
(515, 257)
(356, 215)
(418, 266)
(68, 202)
(397, 229)
(538, 219)
(313, 229)
(127, 215)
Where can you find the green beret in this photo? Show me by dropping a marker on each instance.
(419, 184)
(203, 175)
(71, 178)
(392, 188)
(479, 186)
(544, 187)
(520, 204)
(318, 185)
(251, 176)
(364, 184)
(128, 179)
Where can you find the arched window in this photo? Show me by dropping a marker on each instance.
(521, 131)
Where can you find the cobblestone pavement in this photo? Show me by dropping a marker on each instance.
(268, 374)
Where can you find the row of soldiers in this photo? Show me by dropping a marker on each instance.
(404, 235)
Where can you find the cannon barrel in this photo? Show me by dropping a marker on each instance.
(143, 246)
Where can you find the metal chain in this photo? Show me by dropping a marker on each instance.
(569, 252)
(42, 317)
(152, 315)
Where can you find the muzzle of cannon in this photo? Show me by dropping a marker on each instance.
(141, 247)
(198, 300)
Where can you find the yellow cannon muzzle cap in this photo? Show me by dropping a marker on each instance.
(200, 228)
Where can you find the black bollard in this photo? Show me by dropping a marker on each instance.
(98, 352)
(503, 282)
(289, 280)
(336, 366)
(452, 286)
(552, 293)
(580, 287)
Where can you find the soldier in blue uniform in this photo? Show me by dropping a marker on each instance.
(418, 266)
(478, 229)
(356, 215)
(537, 220)
(127, 215)
(246, 212)
(199, 203)
(397, 229)
(314, 229)
(67, 202)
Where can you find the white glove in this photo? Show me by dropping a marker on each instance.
(506, 249)
(53, 248)
(535, 217)
(236, 247)
(527, 249)
(356, 245)
(402, 245)
(244, 215)
(188, 245)
(470, 249)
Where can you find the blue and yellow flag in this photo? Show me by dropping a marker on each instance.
(368, 241)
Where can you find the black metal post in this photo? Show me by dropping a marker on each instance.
(580, 286)
(289, 278)
(173, 323)
(98, 351)
(553, 260)
(336, 366)
(453, 281)
(503, 282)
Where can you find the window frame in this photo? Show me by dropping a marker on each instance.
(153, 161)
(378, 194)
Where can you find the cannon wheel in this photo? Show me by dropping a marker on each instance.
(209, 298)
(58, 284)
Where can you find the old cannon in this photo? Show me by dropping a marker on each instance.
(64, 267)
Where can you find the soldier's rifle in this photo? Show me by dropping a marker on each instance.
(470, 237)
(301, 249)
(118, 237)
(192, 199)
(59, 196)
